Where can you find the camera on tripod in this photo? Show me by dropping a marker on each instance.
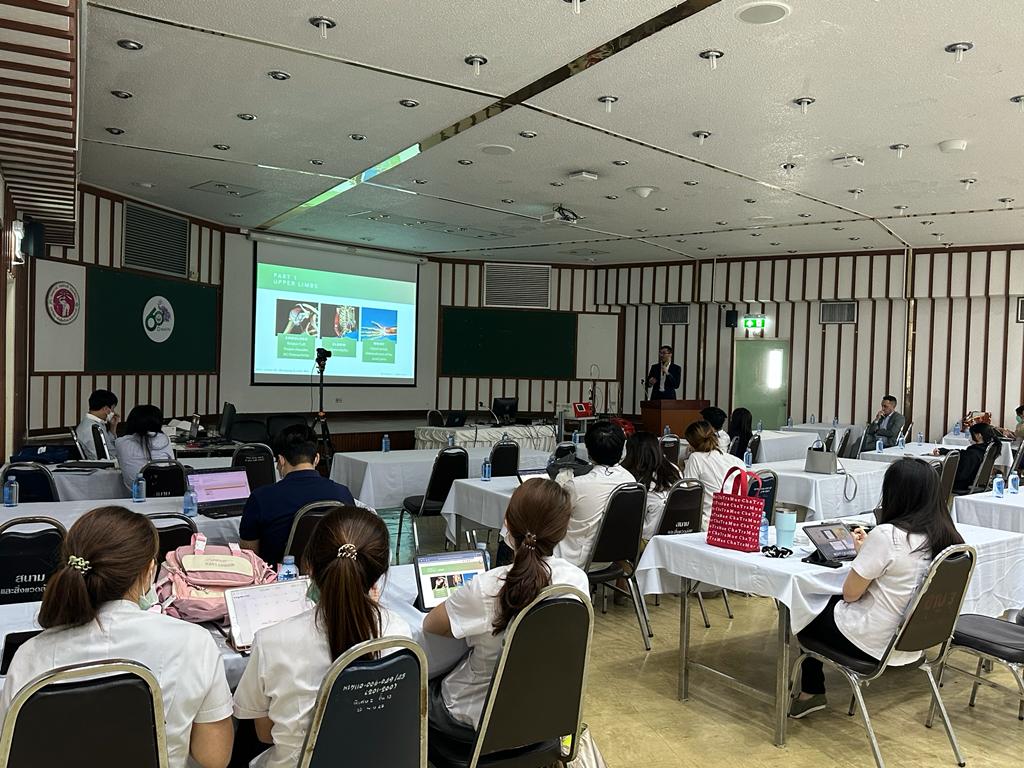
(322, 355)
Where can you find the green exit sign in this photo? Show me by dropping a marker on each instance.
(754, 322)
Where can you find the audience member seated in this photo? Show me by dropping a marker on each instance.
(708, 463)
(536, 520)
(890, 564)
(971, 457)
(346, 559)
(589, 493)
(886, 426)
(95, 608)
(740, 430)
(649, 467)
(101, 412)
(143, 441)
(269, 512)
(1018, 431)
(716, 417)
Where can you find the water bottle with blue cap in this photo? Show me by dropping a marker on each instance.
(139, 488)
(1014, 484)
(190, 502)
(762, 538)
(667, 431)
(760, 426)
(835, 421)
(575, 437)
(485, 469)
(451, 439)
(789, 422)
(957, 429)
(748, 458)
(999, 486)
(880, 445)
(901, 442)
(385, 443)
(920, 438)
(11, 492)
(288, 570)
(814, 419)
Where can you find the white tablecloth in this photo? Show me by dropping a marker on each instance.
(205, 462)
(889, 455)
(540, 438)
(481, 503)
(780, 445)
(820, 429)
(950, 440)
(384, 480)
(997, 585)
(77, 485)
(824, 495)
(984, 509)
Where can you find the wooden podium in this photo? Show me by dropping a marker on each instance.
(677, 414)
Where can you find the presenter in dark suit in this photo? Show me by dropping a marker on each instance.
(664, 376)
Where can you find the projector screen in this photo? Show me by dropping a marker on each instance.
(361, 310)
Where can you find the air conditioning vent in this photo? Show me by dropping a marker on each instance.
(675, 314)
(155, 241)
(838, 312)
(526, 286)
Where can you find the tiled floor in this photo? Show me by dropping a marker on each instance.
(637, 721)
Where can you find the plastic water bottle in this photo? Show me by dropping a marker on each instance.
(482, 546)
(998, 486)
(451, 439)
(789, 422)
(814, 419)
(835, 421)
(920, 438)
(190, 504)
(504, 437)
(957, 429)
(11, 492)
(287, 570)
(748, 458)
(880, 445)
(575, 437)
(385, 443)
(485, 470)
(1014, 483)
(139, 488)
(667, 431)
(760, 426)
(901, 442)
(763, 536)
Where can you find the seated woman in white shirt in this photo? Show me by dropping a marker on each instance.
(93, 609)
(890, 564)
(707, 463)
(646, 462)
(536, 520)
(143, 442)
(346, 559)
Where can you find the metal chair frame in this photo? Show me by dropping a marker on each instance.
(99, 440)
(947, 476)
(32, 466)
(499, 447)
(178, 518)
(401, 514)
(249, 447)
(1016, 670)
(329, 504)
(988, 464)
(671, 446)
(78, 444)
(830, 439)
(165, 463)
(432, 422)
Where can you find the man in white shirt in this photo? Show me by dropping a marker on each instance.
(590, 492)
(101, 412)
(716, 417)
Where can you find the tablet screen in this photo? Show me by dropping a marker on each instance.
(833, 540)
(441, 575)
(253, 608)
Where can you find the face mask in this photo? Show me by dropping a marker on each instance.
(110, 417)
(313, 593)
(1020, 419)
(148, 600)
(509, 539)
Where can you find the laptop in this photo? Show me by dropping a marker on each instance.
(250, 609)
(441, 575)
(525, 474)
(220, 491)
(834, 541)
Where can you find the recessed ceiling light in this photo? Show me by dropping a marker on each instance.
(691, 183)
(419, 181)
(1007, 201)
(792, 250)
(867, 247)
(681, 241)
(899, 149)
(143, 184)
(721, 223)
(366, 239)
(803, 102)
(130, 45)
(357, 137)
(278, 74)
(236, 215)
(121, 94)
(115, 131)
(712, 55)
(465, 162)
(316, 161)
(234, 193)
(222, 147)
(247, 116)
(642, 229)
(854, 238)
(410, 103)
(838, 229)
(607, 101)
(901, 208)
(701, 136)
(927, 222)
(755, 234)
(611, 197)
(763, 13)
(774, 243)
(497, 149)
(959, 49)
(804, 215)
(508, 201)
(528, 134)
(476, 61)
(557, 183)
(1019, 101)
(620, 162)
(968, 183)
(661, 209)
(749, 200)
(702, 247)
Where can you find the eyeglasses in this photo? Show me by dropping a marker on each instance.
(774, 551)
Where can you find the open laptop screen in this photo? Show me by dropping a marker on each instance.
(222, 486)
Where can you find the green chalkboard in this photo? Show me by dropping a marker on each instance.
(140, 324)
(508, 343)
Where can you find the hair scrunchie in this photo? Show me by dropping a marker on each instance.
(80, 564)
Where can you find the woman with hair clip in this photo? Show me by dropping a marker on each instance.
(891, 561)
(143, 441)
(707, 463)
(346, 559)
(536, 520)
(95, 608)
(646, 462)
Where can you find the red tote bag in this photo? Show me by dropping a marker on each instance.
(736, 516)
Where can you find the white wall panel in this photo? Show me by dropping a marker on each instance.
(1016, 273)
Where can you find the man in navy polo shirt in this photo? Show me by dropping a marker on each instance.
(270, 510)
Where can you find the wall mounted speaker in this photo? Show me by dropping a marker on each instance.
(732, 318)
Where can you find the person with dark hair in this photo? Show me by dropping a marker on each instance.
(1018, 430)
(536, 520)
(95, 608)
(346, 559)
(716, 417)
(972, 456)
(740, 430)
(143, 441)
(650, 467)
(101, 412)
(269, 512)
(664, 377)
(886, 426)
(914, 527)
(708, 463)
(589, 492)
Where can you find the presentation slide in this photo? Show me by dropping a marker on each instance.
(367, 323)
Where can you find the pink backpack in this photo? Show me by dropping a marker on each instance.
(193, 579)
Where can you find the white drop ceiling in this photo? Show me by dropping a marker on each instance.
(877, 70)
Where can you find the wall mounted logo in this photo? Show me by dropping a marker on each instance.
(158, 319)
(63, 303)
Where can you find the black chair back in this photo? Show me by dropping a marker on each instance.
(683, 508)
(933, 613)
(670, 445)
(844, 443)
(79, 449)
(28, 558)
(564, 449)
(371, 712)
(435, 418)
(250, 431)
(768, 490)
(621, 525)
(830, 438)
(280, 421)
(733, 446)
(303, 524)
(99, 440)
(164, 478)
(177, 531)
(505, 459)
(451, 464)
(259, 464)
(754, 446)
(115, 718)
(1018, 461)
(947, 476)
(35, 483)
(988, 464)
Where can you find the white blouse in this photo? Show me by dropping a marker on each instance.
(132, 455)
(710, 469)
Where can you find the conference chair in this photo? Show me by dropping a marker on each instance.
(435, 418)
(280, 421)
(78, 445)
(450, 464)
(947, 476)
(683, 506)
(259, 464)
(99, 440)
(830, 439)
(984, 477)
(617, 550)
(564, 449)
(733, 446)
(754, 446)
(768, 490)
(536, 693)
(352, 725)
(905, 432)
(28, 558)
(1018, 461)
(855, 439)
(928, 623)
(303, 524)
(164, 478)
(89, 715)
(250, 431)
(670, 445)
(844, 444)
(35, 482)
(505, 458)
(173, 530)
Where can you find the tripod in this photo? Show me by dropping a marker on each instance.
(324, 445)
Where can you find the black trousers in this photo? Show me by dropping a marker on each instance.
(823, 628)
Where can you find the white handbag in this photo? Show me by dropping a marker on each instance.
(587, 753)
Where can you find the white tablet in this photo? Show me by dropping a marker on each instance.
(250, 609)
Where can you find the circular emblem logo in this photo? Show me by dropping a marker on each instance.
(158, 319)
(62, 303)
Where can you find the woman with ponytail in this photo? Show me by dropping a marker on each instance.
(95, 608)
(346, 559)
(536, 520)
